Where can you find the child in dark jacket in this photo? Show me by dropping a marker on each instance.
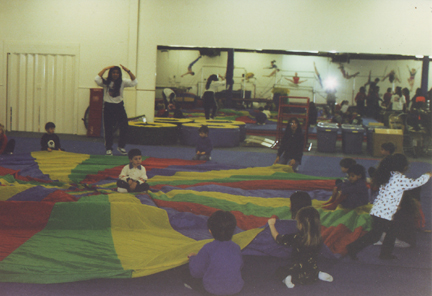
(204, 145)
(50, 141)
(354, 193)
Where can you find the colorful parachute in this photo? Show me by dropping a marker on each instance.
(61, 218)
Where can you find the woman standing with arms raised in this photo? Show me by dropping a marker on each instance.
(113, 110)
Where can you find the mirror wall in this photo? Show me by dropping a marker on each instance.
(316, 72)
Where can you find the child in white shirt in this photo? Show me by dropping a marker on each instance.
(133, 176)
(392, 184)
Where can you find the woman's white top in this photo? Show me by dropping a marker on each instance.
(214, 86)
(117, 99)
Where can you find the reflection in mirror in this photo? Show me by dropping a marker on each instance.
(259, 74)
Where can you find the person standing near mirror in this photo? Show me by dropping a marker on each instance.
(209, 99)
(113, 110)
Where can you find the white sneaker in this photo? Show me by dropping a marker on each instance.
(122, 190)
(324, 276)
(287, 282)
(122, 151)
(401, 244)
(108, 152)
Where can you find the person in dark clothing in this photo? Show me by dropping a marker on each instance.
(351, 194)
(260, 117)
(209, 100)
(204, 145)
(114, 112)
(360, 100)
(50, 141)
(306, 244)
(7, 146)
(291, 147)
(178, 113)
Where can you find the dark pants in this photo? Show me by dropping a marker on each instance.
(406, 217)
(209, 102)
(115, 114)
(139, 188)
(331, 105)
(379, 226)
(361, 107)
(10, 146)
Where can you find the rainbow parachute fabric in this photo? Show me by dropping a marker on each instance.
(62, 220)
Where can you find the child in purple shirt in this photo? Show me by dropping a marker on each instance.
(216, 269)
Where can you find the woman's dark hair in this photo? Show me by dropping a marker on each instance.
(299, 200)
(211, 78)
(358, 170)
(392, 163)
(222, 225)
(115, 92)
(309, 225)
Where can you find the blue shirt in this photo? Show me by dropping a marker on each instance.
(219, 265)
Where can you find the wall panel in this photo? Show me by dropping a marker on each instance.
(41, 88)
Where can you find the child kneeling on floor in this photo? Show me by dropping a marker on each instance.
(216, 269)
(306, 244)
(133, 176)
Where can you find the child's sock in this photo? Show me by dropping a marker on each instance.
(324, 276)
(379, 243)
(287, 282)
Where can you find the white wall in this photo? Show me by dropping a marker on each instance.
(129, 31)
(104, 30)
(367, 26)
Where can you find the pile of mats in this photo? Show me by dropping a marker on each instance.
(62, 220)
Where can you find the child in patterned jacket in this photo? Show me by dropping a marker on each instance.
(392, 183)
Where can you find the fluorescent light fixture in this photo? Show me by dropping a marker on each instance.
(419, 56)
(333, 51)
(308, 51)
